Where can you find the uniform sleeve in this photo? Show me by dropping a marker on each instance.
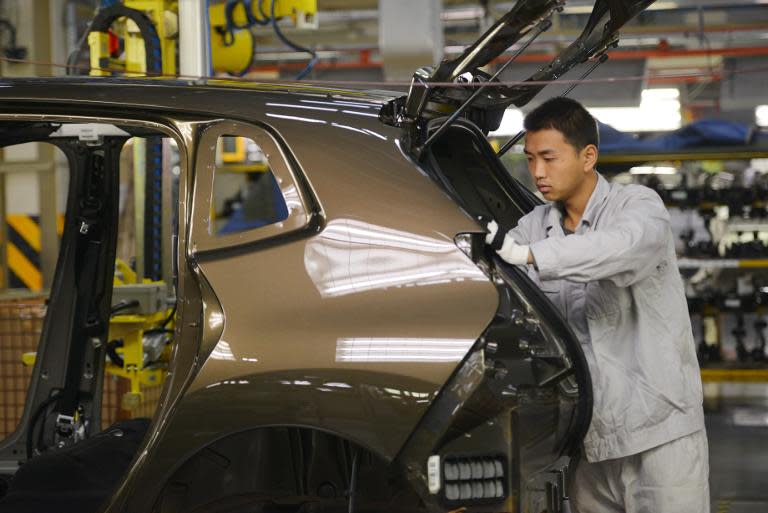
(625, 252)
(523, 233)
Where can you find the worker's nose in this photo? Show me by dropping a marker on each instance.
(537, 169)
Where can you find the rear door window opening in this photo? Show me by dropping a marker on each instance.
(106, 318)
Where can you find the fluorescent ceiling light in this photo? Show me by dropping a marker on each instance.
(655, 95)
(761, 115)
(652, 170)
(659, 110)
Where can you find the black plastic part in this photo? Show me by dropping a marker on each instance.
(77, 479)
(153, 210)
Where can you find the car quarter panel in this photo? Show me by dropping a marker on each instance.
(357, 326)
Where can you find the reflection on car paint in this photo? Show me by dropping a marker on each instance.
(222, 351)
(350, 257)
(401, 349)
(307, 107)
(296, 118)
(292, 198)
(344, 104)
(360, 113)
(229, 382)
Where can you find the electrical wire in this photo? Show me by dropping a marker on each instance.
(170, 316)
(33, 423)
(112, 353)
(308, 69)
(124, 304)
(715, 77)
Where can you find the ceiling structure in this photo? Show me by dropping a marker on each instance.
(698, 46)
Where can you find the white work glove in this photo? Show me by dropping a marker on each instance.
(510, 251)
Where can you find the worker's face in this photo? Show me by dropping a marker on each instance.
(557, 167)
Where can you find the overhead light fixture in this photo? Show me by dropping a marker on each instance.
(652, 170)
(761, 115)
(659, 110)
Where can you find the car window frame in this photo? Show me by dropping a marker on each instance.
(297, 201)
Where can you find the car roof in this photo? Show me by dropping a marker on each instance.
(188, 95)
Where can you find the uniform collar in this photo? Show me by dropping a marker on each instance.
(555, 217)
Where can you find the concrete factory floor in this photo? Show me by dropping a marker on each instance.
(737, 429)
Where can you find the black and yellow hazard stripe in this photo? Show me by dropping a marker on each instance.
(23, 251)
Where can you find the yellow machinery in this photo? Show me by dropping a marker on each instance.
(139, 335)
(150, 29)
(131, 329)
(138, 349)
(149, 33)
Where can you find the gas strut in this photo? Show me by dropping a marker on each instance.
(542, 26)
(603, 57)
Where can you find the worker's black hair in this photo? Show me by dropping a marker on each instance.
(568, 117)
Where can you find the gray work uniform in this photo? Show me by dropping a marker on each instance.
(616, 282)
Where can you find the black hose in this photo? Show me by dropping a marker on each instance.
(11, 29)
(153, 331)
(33, 423)
(266, 19)
(112, 353)
(170, 316)
(123, 305)
(295, 46)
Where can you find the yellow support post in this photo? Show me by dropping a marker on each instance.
(99, 48)
(131, 328)
(164, 15)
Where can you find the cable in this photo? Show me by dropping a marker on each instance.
(112, 353)
(124, 304)
(153, 331)
(308, 69)
(384, 84)
(33, 422)
(170, 316)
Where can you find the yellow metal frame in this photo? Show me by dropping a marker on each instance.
(131, 328)
(164, 16)
(166, 30)
(734, 375)
(735, 153)
(98, 42)
(283, 8)
(235, 156)
(255, 167)
(233, 58)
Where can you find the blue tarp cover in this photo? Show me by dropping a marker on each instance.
(702, 133)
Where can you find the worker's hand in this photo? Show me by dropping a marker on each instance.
(509, 250)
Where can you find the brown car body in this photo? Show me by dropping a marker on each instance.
(367, 352)
(278, 327)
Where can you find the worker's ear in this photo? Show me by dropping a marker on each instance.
(589, 157)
